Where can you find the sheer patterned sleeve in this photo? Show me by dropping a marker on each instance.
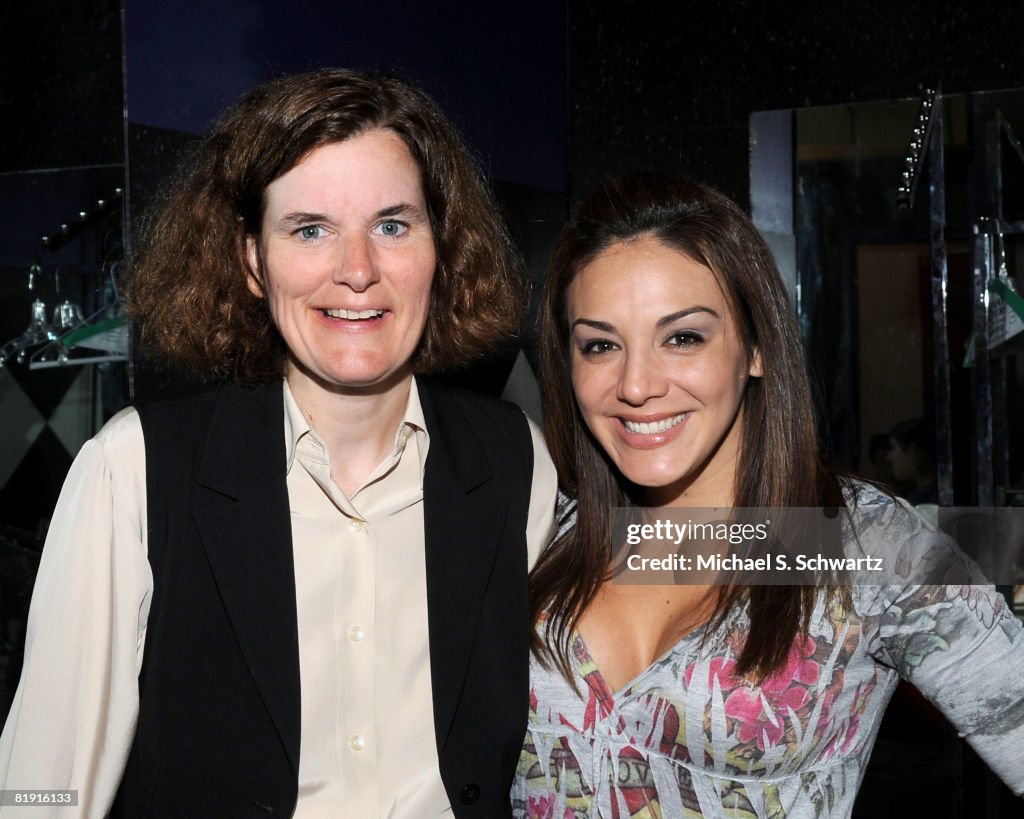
(73, 717)
(950, 633)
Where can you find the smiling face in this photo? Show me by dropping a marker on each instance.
(659, 371)
(346, 259)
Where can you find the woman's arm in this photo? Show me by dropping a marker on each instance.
(955, 640)
(540, 524)
(73, 717)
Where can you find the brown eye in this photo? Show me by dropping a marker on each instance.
(685, 339)
(596, 346)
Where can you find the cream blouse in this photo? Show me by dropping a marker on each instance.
(362, 621)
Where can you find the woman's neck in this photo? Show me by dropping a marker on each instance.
(357, 426)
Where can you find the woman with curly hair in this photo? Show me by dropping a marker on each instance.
(754, 692)
(300, 590)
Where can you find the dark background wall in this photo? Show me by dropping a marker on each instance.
(671, 86)
(666, 85)
(498, 70)
(60, 84)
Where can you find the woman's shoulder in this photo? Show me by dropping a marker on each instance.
(113, 461)
(917, 563)
(461, 419)
(473, 405)
(872, 507)
(121, 442)
(121, 435)
(862, 494)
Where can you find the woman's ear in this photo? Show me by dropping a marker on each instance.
(252, 278)
(755, 370)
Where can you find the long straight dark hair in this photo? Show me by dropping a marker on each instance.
(781, 466)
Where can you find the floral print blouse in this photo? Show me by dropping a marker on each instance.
(687, 738)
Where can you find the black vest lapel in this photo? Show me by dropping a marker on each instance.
(241, 511)
(463, 525)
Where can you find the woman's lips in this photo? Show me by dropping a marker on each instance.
(650, 432)
(649, 427)
(353, 315)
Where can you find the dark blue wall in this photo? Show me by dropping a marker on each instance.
(499, 70)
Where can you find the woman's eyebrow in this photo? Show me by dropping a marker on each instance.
(603, 326)
(301, 217)
(400, 209)
(297, 218)
(699, 308)
(606, 327)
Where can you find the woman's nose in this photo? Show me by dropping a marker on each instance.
(356, 266)
(642, 378)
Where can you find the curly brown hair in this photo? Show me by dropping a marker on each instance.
(187, 288)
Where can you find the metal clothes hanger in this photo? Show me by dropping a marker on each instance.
(94, 339)
(39, 330)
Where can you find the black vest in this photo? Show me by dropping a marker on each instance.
(219, 719)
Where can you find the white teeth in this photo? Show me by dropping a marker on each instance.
(654, 427)
(354, 315)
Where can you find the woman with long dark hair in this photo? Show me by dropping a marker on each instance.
(665, 312)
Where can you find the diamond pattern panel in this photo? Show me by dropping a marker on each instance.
(28, 497)
(22, 423)
(71, 421)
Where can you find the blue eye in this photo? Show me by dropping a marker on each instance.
(392, 228)
(311, 233)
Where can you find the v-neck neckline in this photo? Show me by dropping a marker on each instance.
(630, 684)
